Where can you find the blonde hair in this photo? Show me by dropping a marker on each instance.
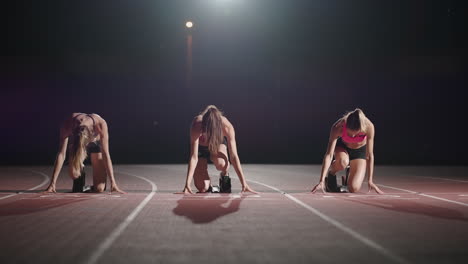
(81, 137)
(355, 120)
(212, 125)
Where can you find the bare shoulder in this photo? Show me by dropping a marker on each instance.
(98, 118)
(227, 125)
(337, 126)
(67, 124)
(197, 121)
(370, 129)
(196, 126)
(73, 115)
(69, 119)
(198, 118)
(101, 124)
(226, 121)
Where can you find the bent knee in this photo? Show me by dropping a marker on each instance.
(203, 190)
(220, 166)
(341, 164)
(353, 188)
(100, 188)
(203, 186)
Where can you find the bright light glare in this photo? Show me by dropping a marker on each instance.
(189, 24)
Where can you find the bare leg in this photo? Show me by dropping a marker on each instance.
(357, 172)
(78, 180)
(201, 178)
(70, 172)
(99, 172)
(220, 160)
(341, 161)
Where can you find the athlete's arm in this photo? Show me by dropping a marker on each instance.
(65, 132)
(234, 156)
(370, 158)
(328, 157)
(103, 131)
(195, 133)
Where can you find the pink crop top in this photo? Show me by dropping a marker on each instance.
(358, 138)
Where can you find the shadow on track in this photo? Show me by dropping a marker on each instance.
(203, 209)
(412, 207)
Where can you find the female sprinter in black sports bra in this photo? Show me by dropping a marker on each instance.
(211, 135)
(83, 134)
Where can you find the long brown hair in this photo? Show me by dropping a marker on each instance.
(81, 137)
(355, 120)
(212, 125)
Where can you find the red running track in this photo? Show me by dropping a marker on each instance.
(422, 218)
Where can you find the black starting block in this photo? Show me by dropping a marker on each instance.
(344, 182)
(79, 184)
(331, 183)
(224, 184)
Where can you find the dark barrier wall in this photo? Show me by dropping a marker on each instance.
(282, 71)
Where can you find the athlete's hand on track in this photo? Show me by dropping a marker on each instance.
(50, 189)
(187, 190)
(373, 186)
(116, 188)
(246, 188)
(320, 185)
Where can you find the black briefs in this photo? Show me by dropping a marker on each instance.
(359, 153)
(94, 147)
(204, 152)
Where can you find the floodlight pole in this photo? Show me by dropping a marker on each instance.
(189, 56)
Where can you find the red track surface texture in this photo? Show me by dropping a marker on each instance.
(421, 218)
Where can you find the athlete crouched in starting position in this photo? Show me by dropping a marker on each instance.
(351, 143)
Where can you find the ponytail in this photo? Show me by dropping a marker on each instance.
(78, 152)
(212, 125)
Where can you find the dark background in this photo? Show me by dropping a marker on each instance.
(282, 71)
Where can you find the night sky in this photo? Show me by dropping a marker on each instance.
(282, 71)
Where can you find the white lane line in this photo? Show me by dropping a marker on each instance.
(107, 243)
(340, 226)
(374, 195)
(443, 199)
(44, 182)
(227, 196)
(398, 189)
(425, 195)
(444, 179)
(343, 194)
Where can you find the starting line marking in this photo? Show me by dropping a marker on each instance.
(375, 197)
(425, 195)
(444, 179)
(230, 196)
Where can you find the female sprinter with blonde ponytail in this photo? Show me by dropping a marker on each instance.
(85, 135)
(211, 135)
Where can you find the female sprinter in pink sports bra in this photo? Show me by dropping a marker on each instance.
(351, 143)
